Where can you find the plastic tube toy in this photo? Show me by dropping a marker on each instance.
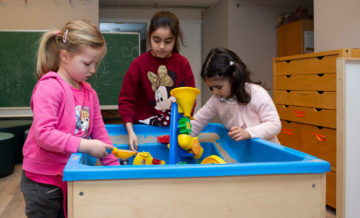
(180, 115)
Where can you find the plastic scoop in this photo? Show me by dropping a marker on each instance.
(122, 153)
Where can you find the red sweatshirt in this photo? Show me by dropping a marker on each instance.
(145, 92)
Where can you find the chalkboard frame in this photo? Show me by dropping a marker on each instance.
(25, 111)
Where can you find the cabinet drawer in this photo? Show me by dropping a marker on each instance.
(312, 65)
(308, 115)
(317, 141)
(317, 99)
(331, 188)
(291, 135)
(316, 82)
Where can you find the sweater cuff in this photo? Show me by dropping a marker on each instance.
(252, 134)
(110, 160)
(72, 144)
(127, 119)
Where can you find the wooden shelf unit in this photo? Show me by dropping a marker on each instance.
(291, 38)
(305, 97)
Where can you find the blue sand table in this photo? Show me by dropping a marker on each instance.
(260, 179)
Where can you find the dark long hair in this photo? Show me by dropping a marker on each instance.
(222, 63)
(167, 19)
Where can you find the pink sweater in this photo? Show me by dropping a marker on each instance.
(51, 139)
(259, 117)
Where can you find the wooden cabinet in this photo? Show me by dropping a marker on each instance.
(305, 97)
(295, 38)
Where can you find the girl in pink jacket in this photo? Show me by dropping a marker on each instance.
(244, 107)
(66, 115)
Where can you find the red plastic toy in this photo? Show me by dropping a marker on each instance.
(165, 139)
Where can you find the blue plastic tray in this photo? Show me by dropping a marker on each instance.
(252, 157)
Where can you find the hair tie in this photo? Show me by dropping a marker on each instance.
(65, 35)
(57, 33)
(231, 63)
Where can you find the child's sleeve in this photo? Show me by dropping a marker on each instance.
(128, 94)
(264, 106)
(46, 103)
(189, 78)
(99, 132)
(203, 116)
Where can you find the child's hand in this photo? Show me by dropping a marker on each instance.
(133, 143)
(94, 147)
(238, 133)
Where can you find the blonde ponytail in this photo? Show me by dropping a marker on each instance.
(48, 54)
(72, 37)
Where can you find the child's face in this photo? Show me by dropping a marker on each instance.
(219, 87)
(162, 42)
(78, 67)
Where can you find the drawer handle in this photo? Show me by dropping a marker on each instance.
(288, 76)
(288, 61)
(318, 109)
(285, 106)
(287, 131)
(299, 113)
(288, 91)
(320, 57)
(320, 74)
(319, 137)
(320, 92)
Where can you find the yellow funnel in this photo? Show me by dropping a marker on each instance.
(185, 98)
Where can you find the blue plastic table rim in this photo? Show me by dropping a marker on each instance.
(76, 170)
(266, 158)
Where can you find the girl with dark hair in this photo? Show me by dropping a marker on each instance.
(145, 92)
(244, 107)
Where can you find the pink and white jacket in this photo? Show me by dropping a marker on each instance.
(51, 139)
(259, 117)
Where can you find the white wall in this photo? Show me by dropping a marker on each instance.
(45, 14)
(336, 24)
(215, 33)
(190, 23)
(247, 28)
(253, 38)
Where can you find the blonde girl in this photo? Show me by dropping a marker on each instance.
(66, 116)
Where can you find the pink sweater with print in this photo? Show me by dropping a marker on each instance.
(259, 117)
(51, 138)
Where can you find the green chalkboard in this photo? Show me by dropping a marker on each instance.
(18, 66)
(122, 49)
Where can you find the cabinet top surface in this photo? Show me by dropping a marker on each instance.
(344, 52)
